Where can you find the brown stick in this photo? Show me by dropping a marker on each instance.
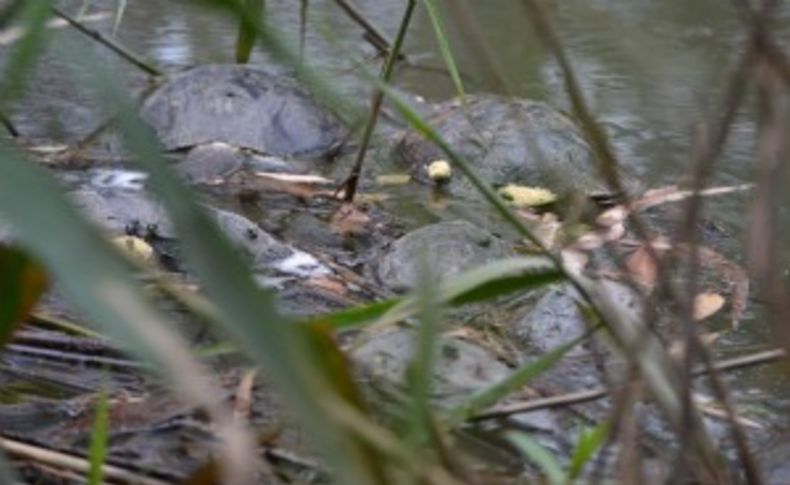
(372, 33)
(70, 462)
(759, 358)
(9, 126)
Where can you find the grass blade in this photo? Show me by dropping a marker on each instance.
(589, 441)
(34, 15)
(511, 383)
(247, 31)
(485, 282)
(444, 47)
(250, 314)
(97, 452)
(540, 456)
(119, 12)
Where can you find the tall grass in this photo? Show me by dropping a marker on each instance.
(302, 357)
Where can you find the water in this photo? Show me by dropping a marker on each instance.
(651, 71)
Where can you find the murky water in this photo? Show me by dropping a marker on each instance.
(650, 70)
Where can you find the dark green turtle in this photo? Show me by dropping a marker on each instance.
(237, 110)
(507, 141)
(450, 247)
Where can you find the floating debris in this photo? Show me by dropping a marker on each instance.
(524, 196)
(439, 171)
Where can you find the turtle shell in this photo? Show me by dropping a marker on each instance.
(243, 106)
(507, 141)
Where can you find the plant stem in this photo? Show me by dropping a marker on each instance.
(9, 125)
(110, 44)
(372, 33)
(351, 183)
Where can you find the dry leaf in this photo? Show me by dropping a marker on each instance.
(524, 196)
(349, 220)
(642, 267)
(332, 285)
(707, 304)
(610, 217)
(734, 275)
(393, 179)
(574, 261)
(594, 240)
(296, 178)
(547, 230)
(673, 193)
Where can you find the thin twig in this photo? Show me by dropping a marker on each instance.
(59, 459)
(109, 43)
(350, 185)
(609, 168)
(758, 358)
(372, 33)
(9, 126)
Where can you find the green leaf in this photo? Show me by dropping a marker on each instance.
(249, 313)
(482, 283)
(485, 282)
(248, 31)
(355, 316)
(33, 16)
(97, 453)
(420, 372)
(589, 441)
(516, 380)
(444, 47)
(22, 282)
(539, 455)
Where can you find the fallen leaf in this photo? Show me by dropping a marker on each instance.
(574, 261)
(733, 274)
(524, 196)
(610, 217)
(332, 285)
(596, 239)
(673, 193)
(547, 230)
(349, 220)
(296, 178)
(642, 267)
(393, 179)
(707, 304)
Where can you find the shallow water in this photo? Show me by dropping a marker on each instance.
(650, 70)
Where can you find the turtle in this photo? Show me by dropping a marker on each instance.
(450, 246)
(508, 141)
(227, 116)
